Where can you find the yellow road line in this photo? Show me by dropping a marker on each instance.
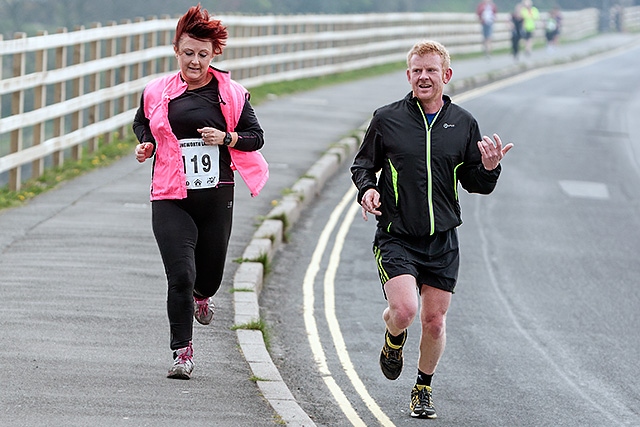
(309, 317)
(334, 325)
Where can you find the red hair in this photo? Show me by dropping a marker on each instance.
(198, 24)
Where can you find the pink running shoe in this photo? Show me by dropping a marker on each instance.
(182, 363)
(203, 310)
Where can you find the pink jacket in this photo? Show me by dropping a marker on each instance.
(168, 181)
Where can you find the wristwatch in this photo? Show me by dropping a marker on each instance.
(227, 139)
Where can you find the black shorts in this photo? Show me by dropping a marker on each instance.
(434, 261)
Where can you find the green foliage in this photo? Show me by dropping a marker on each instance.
(262, 93)
(234, 290)
(262, 259)
(256, 325)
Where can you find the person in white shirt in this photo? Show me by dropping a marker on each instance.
(487, 12)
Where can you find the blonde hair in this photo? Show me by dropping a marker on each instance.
(430, 46)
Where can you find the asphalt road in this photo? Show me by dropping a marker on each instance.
(537, 326)
(544, 329)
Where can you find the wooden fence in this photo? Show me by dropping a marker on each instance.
(66, 92)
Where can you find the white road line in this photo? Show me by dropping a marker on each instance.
(309, 318)
(332, 319)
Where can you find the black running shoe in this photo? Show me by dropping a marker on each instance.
(421, 402)
(391, 357)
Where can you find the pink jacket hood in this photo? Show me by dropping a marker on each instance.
(168, 181)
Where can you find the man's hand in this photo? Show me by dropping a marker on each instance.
(370, 203)
(492, 153)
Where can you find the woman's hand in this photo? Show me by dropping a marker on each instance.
(143, 151)
(212, 136)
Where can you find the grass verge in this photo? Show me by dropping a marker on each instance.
(104, 156)
(256, 325)
(263, 93)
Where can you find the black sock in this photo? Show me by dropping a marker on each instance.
(423, 379)
(396, 339)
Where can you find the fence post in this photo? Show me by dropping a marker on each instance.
(1, 68)
(110, 81)
(125, 75)
(95, 53)
(77, 91)
(59, 96)
(138, 69)
(165, 39)
(17, 108)
(39, 101)
(138, 46)
(150, 41)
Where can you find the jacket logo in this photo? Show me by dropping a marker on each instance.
(447, 126)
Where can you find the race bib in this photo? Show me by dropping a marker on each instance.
(201, 163)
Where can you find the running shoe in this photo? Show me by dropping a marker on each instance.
(391, 357)
(421, 402)
(182, 363)
(203, 310)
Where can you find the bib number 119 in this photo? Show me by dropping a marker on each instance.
(204, 161)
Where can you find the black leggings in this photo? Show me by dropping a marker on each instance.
(193, 236)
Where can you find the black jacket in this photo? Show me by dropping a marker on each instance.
(421, 166)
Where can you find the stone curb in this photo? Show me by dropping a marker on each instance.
(268, 238)
(247, 282)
